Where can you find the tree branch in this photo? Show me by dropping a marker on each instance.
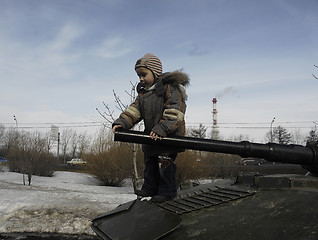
(314, 74)
(120, 105)
(108, 115)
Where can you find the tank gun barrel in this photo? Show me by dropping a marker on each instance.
(296, 154)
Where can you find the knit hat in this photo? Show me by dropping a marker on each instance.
(151, 62)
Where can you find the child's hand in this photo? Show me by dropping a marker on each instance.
(155, 136)
(115, 127)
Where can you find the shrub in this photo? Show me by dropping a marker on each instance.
(111, 167)
(189, 166)
(219, 165)
(27, 154)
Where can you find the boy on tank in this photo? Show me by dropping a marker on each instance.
(161, 104)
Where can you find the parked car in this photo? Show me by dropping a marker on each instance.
(76, 162)
(252, 161)
(2, 159)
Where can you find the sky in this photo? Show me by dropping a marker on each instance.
(61, 59)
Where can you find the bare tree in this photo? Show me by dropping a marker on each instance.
(65, 141)
(74, 144)
(28, 155)
(83, 144)
(11, 138)
(2, 132)
(35, 146)
(109, 117)
(2, 141)
(49, 141)
(297, 137)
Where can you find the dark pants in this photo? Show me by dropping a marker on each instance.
(160, 175)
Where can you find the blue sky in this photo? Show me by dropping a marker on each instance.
(61, 59)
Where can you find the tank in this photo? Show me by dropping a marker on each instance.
(252, 206)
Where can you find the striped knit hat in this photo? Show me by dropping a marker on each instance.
(151, 62)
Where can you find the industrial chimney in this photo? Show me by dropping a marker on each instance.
(215, 130)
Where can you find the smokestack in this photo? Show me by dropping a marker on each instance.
(215, 130)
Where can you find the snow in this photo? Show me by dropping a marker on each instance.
(65, 203)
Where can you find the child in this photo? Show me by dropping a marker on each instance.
(161, 105)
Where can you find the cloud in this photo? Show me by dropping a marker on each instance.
(66, 36)
(114, 47)
(43, 62)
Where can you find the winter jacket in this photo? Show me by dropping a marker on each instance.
(161, 107)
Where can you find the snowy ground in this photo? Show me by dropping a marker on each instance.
(65, 203)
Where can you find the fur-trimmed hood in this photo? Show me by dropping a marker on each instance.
(179, 79)
(175, 78)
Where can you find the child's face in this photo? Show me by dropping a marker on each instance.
(146, 76)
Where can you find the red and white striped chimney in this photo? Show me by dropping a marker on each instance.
(215, 131)
(214, 112)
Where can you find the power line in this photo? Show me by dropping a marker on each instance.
(51, 123)
(307, 121)
(252, 123)
(225, 125)
(267, 127)
(207, 123)
(48, 125)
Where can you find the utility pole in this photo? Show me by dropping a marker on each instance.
(271, 129)
(58, 147)
(16, 121)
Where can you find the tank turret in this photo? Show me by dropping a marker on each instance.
(295, 154)
(252, 206)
